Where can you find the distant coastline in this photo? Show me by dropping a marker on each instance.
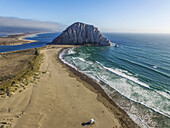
(2, 35)
(15, 39)
(16, 42)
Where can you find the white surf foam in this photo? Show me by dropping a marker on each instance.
(164, 94)
(81, 59)
(32, 36)
(62, 59)
(71, 51)
(135, 80)
(119, 72)
(148, 98)
(154, 66)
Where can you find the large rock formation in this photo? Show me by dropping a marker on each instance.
(81, 34)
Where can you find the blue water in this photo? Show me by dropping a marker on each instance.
(41, 40)
(136, 74)
(146, 55)
(139, 69)
(1, 35)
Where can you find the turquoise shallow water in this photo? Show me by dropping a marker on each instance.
(139, 69)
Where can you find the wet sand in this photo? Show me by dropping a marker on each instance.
(61, 98)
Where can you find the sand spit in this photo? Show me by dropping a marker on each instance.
(15, 39)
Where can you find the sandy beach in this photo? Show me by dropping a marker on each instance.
(60, 99)
(15, 39)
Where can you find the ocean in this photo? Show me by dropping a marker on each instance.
(136, 74)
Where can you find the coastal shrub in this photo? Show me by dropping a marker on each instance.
(32, 68)
(3, 122)
(44, 72)
(2, 126)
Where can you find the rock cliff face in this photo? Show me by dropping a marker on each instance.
(81, 34)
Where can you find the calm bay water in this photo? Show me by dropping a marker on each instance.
(1, 35)
(136, 74)
(41, 40)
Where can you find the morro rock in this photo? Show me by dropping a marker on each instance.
(81, 34)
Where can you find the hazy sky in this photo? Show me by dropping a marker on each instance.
(108, 15)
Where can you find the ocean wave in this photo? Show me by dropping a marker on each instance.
(122, 53)
(148, 98)
(125, 74)
(141, 55)
(81, 59)
(71, 51)
(128, 94)
(137, 115)
(145, 82)
(146, 67)
(134, 48)
(165, 68)
(165, 94)
(121, 73)
(64, 61)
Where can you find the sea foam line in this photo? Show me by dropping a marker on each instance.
(121, 73)
(115, 71)
(71, 51)
(135, 80)
(98, 80)
(62, 53)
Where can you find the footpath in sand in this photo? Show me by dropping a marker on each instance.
(57, 100)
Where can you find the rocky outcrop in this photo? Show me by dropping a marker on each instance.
(81, 34)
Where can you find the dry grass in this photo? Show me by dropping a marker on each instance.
(14, 39)
(16, 67)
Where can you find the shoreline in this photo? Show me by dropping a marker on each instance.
(102, 97)
(16, 39)
(65, 102)
(88, 83)
(26, 35)
(139, 113)
(93, 86)
(69, 100)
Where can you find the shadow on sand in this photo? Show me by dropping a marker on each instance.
(87, 123)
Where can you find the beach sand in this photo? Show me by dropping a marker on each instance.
(16, 39)
(61, 99)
